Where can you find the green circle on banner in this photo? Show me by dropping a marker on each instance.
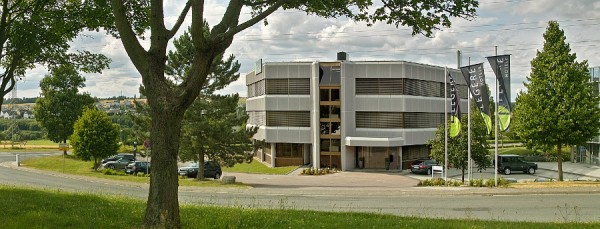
(454, 126)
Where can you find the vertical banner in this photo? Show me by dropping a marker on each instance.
(501, 67)
(476, 80)
(455, 108)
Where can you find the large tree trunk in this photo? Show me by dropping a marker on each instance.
(162, 209)
(559, 159)
(463, 175)
(200, 175)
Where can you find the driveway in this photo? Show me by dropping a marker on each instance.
(347, 179)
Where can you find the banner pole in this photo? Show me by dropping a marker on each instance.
(445, 125)
(469, 172)
(496, 129)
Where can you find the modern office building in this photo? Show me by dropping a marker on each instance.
(347, 114)
(590, 153)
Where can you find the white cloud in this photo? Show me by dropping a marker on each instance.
(515, 27)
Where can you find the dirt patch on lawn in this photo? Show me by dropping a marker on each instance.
(556, 184)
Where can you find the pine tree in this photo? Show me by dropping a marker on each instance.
(559, 107)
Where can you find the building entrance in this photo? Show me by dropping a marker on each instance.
(377, 157)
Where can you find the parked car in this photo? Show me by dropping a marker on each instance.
(138, 167)
(118, 156)
(118, 164)
(212, 169)
(422, 166)
(510, 162)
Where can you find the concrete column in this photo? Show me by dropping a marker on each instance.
(400, 158)
(314, 116)
(273, 149)
(350, 161)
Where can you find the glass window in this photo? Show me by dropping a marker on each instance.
(329, 75)
(324, 112)
(324, 94)
(335, 94)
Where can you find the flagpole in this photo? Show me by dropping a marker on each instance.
(469, 171)
(496, 130)
(445, 126)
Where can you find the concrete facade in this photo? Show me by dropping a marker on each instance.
(348, 114)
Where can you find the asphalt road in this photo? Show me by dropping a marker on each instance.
(548, 205)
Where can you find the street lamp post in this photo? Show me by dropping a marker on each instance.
(134, 149)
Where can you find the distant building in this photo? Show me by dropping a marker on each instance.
(346, 114)
(590, 152)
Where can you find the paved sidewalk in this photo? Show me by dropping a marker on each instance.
(582, 171)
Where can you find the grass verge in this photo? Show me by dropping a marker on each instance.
(31, 145)
(259, 168)
(34, 208)
(555, 184)
(70, 165)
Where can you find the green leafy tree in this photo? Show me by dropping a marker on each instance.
(61, 104)
(168, 102)
(38, 33)
(94, 136)
(559, 107)
(458, 146)
(223, 136)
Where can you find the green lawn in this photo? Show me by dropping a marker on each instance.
(70, 165)
(35, 208)
(260, 168)
(31, 145)
(519, 150)
(43, 142)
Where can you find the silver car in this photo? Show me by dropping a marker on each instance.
(117, 165)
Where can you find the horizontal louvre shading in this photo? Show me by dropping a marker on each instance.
(299, 86)
(257, 118)
(277, 87)
(371, 119)
(256, 89)
(415, 152)
(288, 86)
(379, 86)
(423, 88)
(366, 119)
(288, 118)
(423, 120)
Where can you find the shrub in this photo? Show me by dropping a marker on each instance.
(438, 182)
(323, 171)
(476, 183)
(502, 182)
(455, 183)
(111, 172)
(490, 183)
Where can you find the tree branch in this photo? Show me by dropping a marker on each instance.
(180, 20)
(231, 32)
(256, 3)
(230, 18)
(197, 28)
(130, 42)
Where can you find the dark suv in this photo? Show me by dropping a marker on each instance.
(422, 166)
(138, 167)
(212, 169)
(509, 162)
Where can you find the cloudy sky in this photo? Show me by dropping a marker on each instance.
(514, 26)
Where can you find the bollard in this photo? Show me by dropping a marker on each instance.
(18, 161)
